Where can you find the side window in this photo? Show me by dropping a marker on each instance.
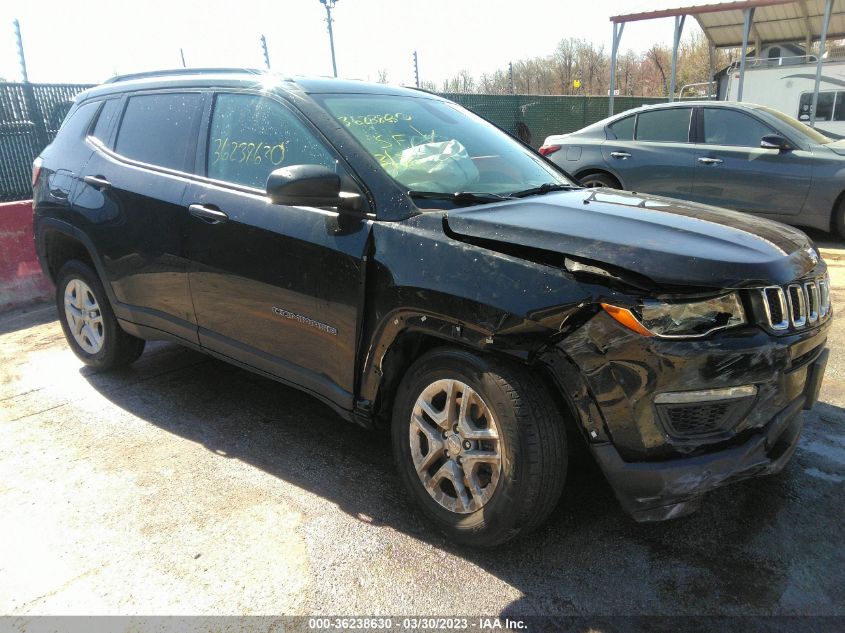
(623, 129)
(105, 119)
(250, 136)
(824, 108)
(729, 127)
(668, 126)
(159, 129)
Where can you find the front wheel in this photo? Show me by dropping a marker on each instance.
(479, 445)
(89, 324)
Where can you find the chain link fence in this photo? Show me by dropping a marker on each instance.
(30, 116)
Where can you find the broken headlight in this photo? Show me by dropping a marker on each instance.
(681, 319)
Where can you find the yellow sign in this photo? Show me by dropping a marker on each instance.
(576, 83)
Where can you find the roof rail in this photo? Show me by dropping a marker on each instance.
(183, 71)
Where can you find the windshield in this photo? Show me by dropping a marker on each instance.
(439, 147)
(814, 135)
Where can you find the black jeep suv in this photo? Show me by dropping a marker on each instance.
(421, 271)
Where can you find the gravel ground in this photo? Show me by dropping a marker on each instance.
(183, 485)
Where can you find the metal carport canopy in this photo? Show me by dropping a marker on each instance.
(774, 20)
(734, 23)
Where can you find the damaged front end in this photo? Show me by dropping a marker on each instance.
(683, 394)
(686, 340)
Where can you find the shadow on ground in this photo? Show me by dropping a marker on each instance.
(766, 546)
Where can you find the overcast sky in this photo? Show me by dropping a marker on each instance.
(88, 41)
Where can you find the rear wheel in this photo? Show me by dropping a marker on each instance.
(479, 445)
(599, 179)
(89, 324)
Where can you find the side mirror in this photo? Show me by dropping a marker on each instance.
(774, 141)
(310, 186)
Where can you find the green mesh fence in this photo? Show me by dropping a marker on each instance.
(534, 117)
(30, 116)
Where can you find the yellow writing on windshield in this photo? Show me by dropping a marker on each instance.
(374, 119)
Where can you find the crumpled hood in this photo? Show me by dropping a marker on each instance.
(669, 241)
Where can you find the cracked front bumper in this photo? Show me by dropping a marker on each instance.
(655, 491)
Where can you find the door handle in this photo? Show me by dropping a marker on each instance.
(710, 161)
(207, 214)
(622, 155)
(98, 182)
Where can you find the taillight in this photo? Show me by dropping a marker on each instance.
(36, 170)
(545, 150)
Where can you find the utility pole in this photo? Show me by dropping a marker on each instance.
(266, 54)
(330, 4)
(21, 55)
(510, 71)
(416, 69)
(182, 53)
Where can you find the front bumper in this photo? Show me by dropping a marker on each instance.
(655, 491)
(657, 475)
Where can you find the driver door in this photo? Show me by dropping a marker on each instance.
(731, 170)
(274, 287)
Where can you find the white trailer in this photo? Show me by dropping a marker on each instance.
(787, 84)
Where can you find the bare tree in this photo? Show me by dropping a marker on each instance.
(657, 55)
(637, 74)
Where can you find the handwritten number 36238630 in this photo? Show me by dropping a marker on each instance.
(247, 152)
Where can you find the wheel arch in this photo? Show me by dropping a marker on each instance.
(599, 170)
(61, 247)
(389, 362)
(57, 242)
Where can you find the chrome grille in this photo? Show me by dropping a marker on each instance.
(797, 305)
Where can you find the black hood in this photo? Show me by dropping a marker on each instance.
(668, 241)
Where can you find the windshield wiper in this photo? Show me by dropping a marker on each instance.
(459, 197)
(544, 188)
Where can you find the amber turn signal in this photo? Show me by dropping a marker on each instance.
(625, 317)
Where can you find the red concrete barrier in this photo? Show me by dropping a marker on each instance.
(21, 279)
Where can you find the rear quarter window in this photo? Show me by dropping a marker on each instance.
(160, 129)
(75, 126)
(104, 120)
(623, 129)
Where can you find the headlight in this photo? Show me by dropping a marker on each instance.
(680, 319)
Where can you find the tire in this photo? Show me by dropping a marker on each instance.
(839, 219)
(84, 308)
(599, 179)
(515, 496)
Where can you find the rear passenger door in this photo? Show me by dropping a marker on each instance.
(132, 196)
(275, 287)
(659, 157)
(733, 171)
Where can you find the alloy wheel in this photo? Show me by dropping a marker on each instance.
(455, 446)
(84, 318)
